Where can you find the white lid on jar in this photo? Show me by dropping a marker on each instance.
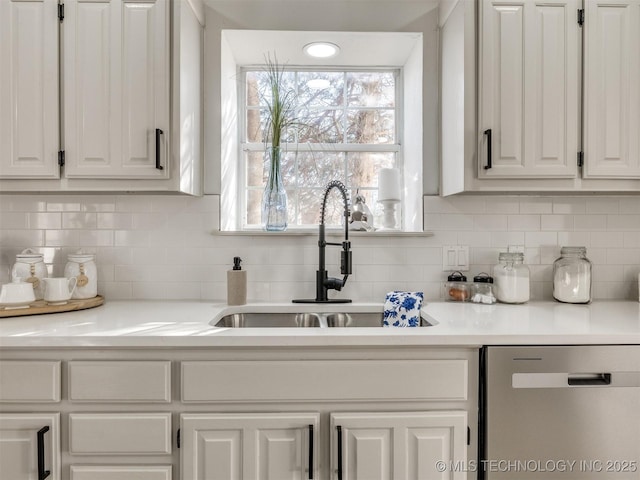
(81, 257)
(30, 256)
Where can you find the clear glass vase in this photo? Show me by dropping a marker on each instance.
(274, 198)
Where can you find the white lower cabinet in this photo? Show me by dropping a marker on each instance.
(29, 446)
(398, 445)
(269, 446)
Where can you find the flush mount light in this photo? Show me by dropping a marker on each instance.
(321, 49)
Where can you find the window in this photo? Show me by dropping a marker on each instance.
(347, 130)
(364, 106)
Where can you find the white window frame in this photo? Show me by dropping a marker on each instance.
(245, 147)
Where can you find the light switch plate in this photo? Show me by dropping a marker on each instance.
(455, 257)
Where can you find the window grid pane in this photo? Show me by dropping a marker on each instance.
(348, 116)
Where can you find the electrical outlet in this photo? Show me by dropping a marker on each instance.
(455, 257)
(515, 248)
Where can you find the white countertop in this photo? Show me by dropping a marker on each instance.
(186, 324)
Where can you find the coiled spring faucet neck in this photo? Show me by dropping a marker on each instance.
(324, 283)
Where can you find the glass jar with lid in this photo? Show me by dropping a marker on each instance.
(482, 291)
(572, 276)
(511, 278)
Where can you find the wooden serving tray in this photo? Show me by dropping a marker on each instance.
(40, 306)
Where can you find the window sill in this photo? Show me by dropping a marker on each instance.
(334, 232)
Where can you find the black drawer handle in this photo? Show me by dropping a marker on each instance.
(310, 452)
(339, 428)
(488, 134)
(158, 133)
(593, 379)
(42, 473)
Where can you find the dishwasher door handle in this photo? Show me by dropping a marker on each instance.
(588, 379)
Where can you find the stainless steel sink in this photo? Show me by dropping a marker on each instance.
(269, 320)
(304, 320)
(359, 320)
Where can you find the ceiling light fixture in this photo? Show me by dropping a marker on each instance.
(321, 49)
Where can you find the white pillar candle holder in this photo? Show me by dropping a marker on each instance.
(389, 195)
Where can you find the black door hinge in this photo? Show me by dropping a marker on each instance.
(178, 439)
(468, 435)
(61, 158)
(581, 16)
(61, 12)
(580, 159)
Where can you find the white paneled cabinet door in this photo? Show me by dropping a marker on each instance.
(399, 446)
(249, 446)
(612, 94)
(29, 113)
(29, 446)
(529, 89)
(116, 66)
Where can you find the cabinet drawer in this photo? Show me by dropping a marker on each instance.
(29, 381)
(339, 380)
(120, 433)
(122, 472)
(120, 381)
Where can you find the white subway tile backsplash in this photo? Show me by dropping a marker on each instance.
(536, 205)
(155, 246)
(44, 221)
(523, 223)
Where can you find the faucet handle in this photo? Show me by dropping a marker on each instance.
(345, 260)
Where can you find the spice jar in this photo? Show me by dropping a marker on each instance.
(457, 289)
(511, 277)
(31, 268)
(572, 276)
(482, 291)
(83, 267)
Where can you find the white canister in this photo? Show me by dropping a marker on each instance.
(31, 268)
(83, 267)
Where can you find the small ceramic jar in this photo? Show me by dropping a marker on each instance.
(83, 267)
(30, 268)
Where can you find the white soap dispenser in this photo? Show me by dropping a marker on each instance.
(236, 284)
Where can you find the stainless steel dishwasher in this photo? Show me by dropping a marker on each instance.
(560, 412)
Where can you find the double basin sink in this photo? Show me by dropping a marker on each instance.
(304, 320)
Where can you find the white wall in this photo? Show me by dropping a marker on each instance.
(162, 247)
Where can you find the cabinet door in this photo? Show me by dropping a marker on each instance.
(116, 66)
(29, 113)
(529, 89)
(249, 446)
(612, 96)
(23, 439)
(398, 446)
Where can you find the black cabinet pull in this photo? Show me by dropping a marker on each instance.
(310, 452)
(158, 133)
(488, 134)
(42, 473)
(339, 428)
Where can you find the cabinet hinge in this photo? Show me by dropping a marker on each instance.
(581, 16)
(61, 11)
(61, 158)
(580, 159)
(468, 435)
(178, 439)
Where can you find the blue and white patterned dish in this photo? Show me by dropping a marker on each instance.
(402, 309)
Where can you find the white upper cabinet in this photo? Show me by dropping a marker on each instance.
(529, 89)
(612, 93)
(116, 84)
(29, 114)
(131, 96)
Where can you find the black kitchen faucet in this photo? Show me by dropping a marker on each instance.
(324, 283)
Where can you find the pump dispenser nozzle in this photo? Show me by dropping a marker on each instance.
(236, 263)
